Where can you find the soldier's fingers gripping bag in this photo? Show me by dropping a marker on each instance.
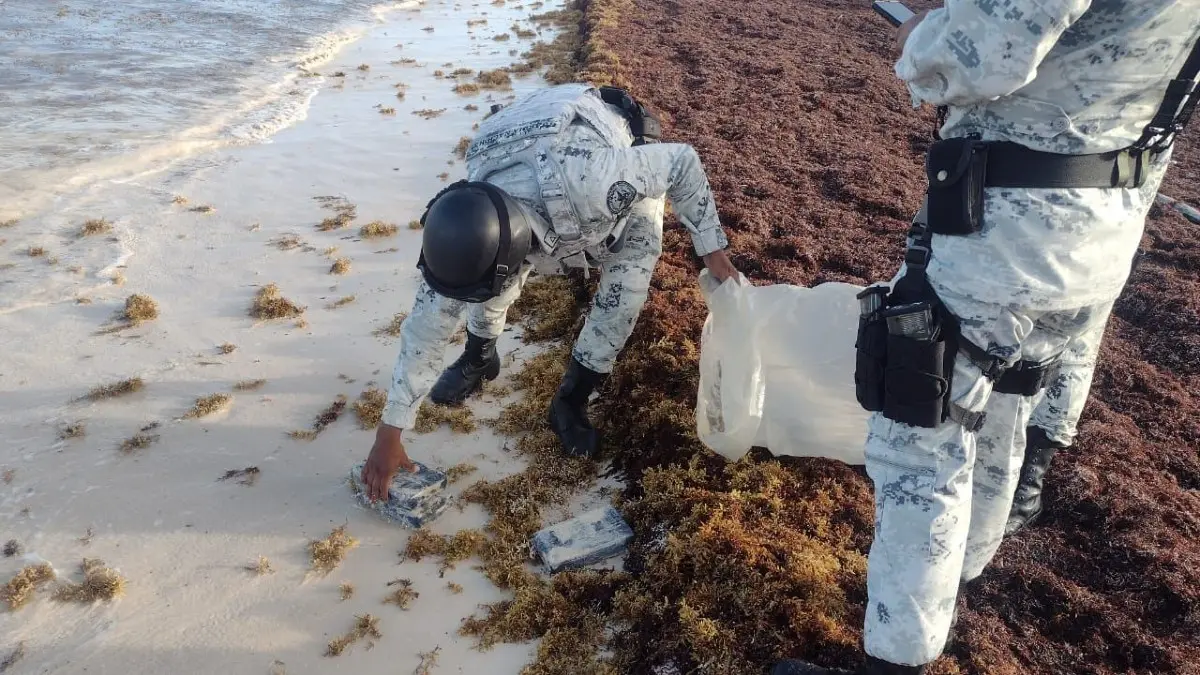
(776, 371)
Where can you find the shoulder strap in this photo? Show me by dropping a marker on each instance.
(1177, 107)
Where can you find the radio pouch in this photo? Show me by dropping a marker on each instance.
(916, 383)
(956, 168)
(870, 359)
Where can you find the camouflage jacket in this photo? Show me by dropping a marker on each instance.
(1064, 76)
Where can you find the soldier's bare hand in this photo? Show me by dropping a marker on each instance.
(386, 458)
(720, 266)
(907, 27)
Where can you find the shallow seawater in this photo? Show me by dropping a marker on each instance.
(94, 89)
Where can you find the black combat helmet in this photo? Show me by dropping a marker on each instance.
(475, 238)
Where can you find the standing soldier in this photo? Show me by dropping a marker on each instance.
(562, 178)
(1057, 137)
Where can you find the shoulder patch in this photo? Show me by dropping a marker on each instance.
(621, 197)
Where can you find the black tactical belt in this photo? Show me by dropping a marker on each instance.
(1010, 165)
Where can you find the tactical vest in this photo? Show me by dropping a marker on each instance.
(526, 133)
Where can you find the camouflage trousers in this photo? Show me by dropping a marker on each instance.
(624, 285)
(1060, 405)
(943, 495)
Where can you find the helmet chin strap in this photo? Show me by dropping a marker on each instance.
(501, 274)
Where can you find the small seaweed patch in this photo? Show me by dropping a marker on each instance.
(94, 227)
(386, 111)
(393, 328)
(340, 302)
(179, 200)
(203, 208)
(415, 225)
(471, 107)
(227, 348)
(427, 661)
(502, 37)
(269, 304)
(100, 582)
(444, 177)
(404, 594)
(141, 440)
(261, 566)
(115, 390)
(73, 430)
(249, 385)
(452, 550)
(36, 251)
(365, 627)
(461, 148)
(523, 33)
(431, 417)
(364, 67)
(287, 242)
(346, 590)
(454, 588)
(139, 308)
(494, 79)
(377, 229)
(340, 266)
(12, 547)
(369, 408)
(326, 554)
(247, 476)
(8, 476)
(459, 472)
(466, 88)
(327, 417)
(429, 113)
(9, 223)
(21, 588)
(208, 405)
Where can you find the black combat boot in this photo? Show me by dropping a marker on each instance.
(465, 376)
(568, 411)
(1027, 501)
(873, 666)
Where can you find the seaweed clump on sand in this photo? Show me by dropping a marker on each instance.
(115, 390)
(208, 405)
(365, 627)
(327, 416)
(432, 416)
(269, 304)
(21, 587)
(326, 554)
(369, 408)
(100, 582)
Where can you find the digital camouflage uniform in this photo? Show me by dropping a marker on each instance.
(610, 185)
(1065, 76)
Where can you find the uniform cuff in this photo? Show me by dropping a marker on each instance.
(399, 415)
(709, 241)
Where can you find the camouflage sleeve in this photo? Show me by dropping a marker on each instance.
(972, 51)
(629, 175)
(423, 339)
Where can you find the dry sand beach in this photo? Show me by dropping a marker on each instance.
(138, 480)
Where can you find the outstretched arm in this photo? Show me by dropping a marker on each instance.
(628, 175)
(423, 339)
(970, 52)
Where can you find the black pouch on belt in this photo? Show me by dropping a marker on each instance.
(870, 349)
(957, 168)
(920, 361)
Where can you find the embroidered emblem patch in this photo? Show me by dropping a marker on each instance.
(621, 197)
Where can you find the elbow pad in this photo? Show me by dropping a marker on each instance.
(643, 125)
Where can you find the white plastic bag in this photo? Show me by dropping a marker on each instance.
(777, 371)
